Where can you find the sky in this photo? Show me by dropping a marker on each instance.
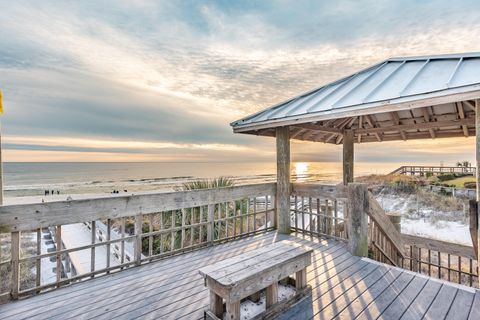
(161, 80)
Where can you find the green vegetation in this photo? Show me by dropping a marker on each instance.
(220, 182)
(196, 234)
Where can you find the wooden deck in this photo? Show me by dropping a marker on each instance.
(343, 287)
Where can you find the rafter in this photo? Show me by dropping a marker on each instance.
(360, 126)
(469, 105)
(371, 123)
(396, 120)
(426, 116)
(461, 114)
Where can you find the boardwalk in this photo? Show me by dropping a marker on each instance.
(344, 287)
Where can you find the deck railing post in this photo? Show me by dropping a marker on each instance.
(211, 224)
(15, 254)
(138, 239)
(474, 225)
(357, 220)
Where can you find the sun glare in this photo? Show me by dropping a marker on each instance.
(301, 169)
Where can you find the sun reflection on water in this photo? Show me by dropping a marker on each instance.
(301, 170)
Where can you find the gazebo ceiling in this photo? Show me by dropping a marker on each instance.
(398, 99)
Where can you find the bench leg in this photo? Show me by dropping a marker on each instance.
(255, 297)
(272, 294)
(216, 304)
(301, 279)
(233, 311)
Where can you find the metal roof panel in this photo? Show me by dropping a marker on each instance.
(395, 80)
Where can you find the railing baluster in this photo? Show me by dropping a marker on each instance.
(234, 218)
(211, 224)
(183, 228)
(266, 212)
(272, 212)
(310, 214)
(58, 244)
(122, 244)
(429, 262)
(295, 213)
(335, 208)
(92, 250)
(227, 219)
(38, 262)
(319, 217)
(192, 221)
(138, 239)
(248, 215)
(439, 265)
(448, 264)
(201, 226)
(162, 227)
(255, 214)
(241, 216)
(173, 232)
(150, 237)
(15, 256)
(302, 207)
(109, 234)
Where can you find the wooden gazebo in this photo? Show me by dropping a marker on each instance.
(427, 97)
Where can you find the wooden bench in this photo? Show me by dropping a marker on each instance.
(247, 274)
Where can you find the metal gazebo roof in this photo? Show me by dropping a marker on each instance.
(397, 99)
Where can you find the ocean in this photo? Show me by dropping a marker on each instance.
(33, 178)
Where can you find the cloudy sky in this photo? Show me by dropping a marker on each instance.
(145, 80)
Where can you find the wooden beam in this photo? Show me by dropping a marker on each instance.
(419, 126)
(461, 114)
(283, 180)
(420, 135)
(371, 123)
(396, 120)
(319, 128)
(426, 116)
(348, 157)
(298, 133)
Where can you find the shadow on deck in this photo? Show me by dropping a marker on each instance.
(343, 287)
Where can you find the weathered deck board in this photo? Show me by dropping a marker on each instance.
(343, 287)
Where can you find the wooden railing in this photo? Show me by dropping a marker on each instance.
(319, 209)
(121, 232)
(440, 259)
(386, 243)
(435, 170)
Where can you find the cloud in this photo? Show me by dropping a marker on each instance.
(179, 72)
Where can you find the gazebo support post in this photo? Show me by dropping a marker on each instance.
(348, 156)
(283, 180)
(477, 174)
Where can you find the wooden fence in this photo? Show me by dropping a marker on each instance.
(319, 209)
(133, 230)
(153, 225)
(325, 210)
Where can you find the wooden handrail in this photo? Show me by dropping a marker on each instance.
(316, 190)
(26, 217)
(377, 214)
(440, 246)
